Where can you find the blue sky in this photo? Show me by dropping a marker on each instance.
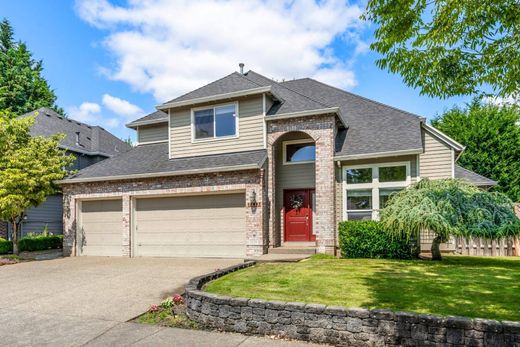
(112, 61)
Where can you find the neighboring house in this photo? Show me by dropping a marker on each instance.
(246, 164)
(89, 144)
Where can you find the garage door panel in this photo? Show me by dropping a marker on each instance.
(183, 226)
(101, 228)
(191, 238)
(192, 251)
(100, 251)
(183, 203)
(207, 225)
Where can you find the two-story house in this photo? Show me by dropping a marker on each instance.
(246, 164)
(89, 144)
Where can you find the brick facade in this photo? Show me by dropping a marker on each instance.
(248, 181)
(322, 129)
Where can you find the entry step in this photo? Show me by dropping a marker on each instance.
(292, 250)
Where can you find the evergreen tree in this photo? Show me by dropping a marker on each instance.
(22, 86)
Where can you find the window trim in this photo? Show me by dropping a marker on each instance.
(375, 185)
(214, 138)
(296, 142)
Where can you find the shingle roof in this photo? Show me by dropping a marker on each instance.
(372, 127)
(231, 83)
(94, 140)
(473, 177)
(156, 116)
(152, 160)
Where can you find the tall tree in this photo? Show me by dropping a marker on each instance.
(449, 207)
(28, 168)
(447, 48)
(491, 134)
(22, 86)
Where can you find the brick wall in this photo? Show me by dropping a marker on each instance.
(247, 181)
(322, 129)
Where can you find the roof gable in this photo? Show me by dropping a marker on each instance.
(93, 140)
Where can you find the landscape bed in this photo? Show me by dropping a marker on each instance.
(461, 286)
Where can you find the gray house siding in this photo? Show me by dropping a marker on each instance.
(49, 214)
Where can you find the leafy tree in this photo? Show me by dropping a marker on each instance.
(492, 137)
(449, 48)
(28, 168)
(22, 86)
(449, 207)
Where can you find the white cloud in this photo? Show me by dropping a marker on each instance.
(121, 107)
(168, 47)
(501, 101)
(90, 113)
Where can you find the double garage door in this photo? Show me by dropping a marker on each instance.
(187, 226)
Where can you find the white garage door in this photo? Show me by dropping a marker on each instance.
(101, 228)
(191, 226)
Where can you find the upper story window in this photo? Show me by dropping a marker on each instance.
(299, 151)
(215, 122)
(368, 188)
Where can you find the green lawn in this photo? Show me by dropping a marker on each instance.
(462, 286)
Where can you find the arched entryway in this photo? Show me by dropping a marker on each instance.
(294, 154)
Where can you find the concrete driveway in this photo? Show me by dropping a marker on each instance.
(70, 301)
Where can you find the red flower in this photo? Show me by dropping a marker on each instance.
(153, 308)
(177, 298)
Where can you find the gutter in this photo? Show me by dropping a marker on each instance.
(379, 154)
(216, 97)
(161, 174)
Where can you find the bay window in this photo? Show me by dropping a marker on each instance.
(368, 188)
(215, 122)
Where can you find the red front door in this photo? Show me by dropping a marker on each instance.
(298, 215)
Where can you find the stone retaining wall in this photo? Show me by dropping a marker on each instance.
(339, 325)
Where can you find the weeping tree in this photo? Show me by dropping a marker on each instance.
(449, 207)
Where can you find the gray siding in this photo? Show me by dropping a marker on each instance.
(49, 214)
(250, 129)
(152, 133)
(437, 160)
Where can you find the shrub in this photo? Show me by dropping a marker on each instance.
(5, 246)
(368, 239)
(40, 243)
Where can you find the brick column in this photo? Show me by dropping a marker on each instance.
(325, 207)
(271, 191)
(69, 225)
(255, 243)
(127, 227)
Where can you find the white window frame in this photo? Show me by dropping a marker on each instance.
(374, 186)
(297, 142)
(215, 137)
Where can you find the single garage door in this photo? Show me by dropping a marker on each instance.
(191, 226)
(101, 228)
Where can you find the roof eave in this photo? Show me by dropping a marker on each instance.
(216, 97)
(77, 150)
(134, 125)
(444, 138)
(161, 174)
(413, 151)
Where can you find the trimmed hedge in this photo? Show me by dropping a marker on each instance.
(5, 246)
(34, 243)
(368, 239)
